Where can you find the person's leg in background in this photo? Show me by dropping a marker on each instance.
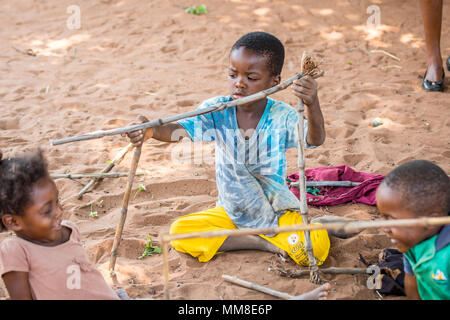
(432, 20)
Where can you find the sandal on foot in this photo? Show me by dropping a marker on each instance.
(434, 85)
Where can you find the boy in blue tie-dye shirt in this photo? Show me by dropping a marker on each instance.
(251, 142)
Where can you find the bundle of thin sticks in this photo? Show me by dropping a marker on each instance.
(309, 65)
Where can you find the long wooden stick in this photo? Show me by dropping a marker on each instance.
(257, 287)
(94, 175)
(347, 227)
(117, 159)
(217, 107)
(326, 184)
(314, 275)
(165, 250)
(123, 213)
(331, 270)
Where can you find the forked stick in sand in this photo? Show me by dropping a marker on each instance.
(123, 212)
(117, 159)
(158, 122)
(308, 67)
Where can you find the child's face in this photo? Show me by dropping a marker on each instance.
(390, 205)
(248, 73)
(41, 222)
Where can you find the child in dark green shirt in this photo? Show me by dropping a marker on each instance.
(416, 189)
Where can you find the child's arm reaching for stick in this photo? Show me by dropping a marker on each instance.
(17, 285)
(306, 89)
(170, 132)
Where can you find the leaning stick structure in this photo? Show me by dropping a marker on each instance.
(217, 107)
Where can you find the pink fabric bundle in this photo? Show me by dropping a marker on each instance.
(329, 196)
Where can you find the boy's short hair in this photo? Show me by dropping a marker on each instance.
(265, 44)
(423, 186)
(17, 177)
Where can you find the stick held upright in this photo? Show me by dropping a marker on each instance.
(307, 67)
(124, 210)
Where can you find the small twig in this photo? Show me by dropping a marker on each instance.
(29, 52)
(257, 287)
(391, 66)
(386, 53)
(381, 297)
(117, 159)
(378, 51)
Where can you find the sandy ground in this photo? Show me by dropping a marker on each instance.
(133, 57)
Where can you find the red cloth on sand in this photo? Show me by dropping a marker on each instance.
(329, 196)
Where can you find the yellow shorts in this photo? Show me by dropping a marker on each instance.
(217, 219)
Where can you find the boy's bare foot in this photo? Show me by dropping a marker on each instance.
(320, 293)
(332, 219)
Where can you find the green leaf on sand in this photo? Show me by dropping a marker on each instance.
(150, 250)
(197, 9)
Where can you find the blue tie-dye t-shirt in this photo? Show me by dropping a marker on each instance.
(250, 174)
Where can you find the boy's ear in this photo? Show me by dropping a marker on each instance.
(276, 80)
(11, 222)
